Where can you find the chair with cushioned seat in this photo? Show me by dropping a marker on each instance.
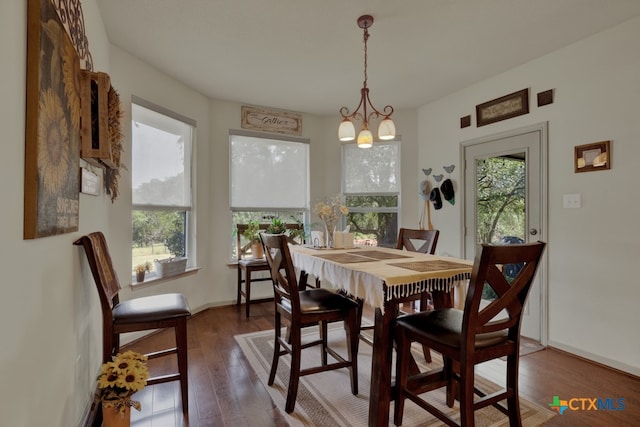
(302, 308)
(423, 241)
(139, 314)
(482, 331)
(249, 265)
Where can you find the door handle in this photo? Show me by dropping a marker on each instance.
(533, 231)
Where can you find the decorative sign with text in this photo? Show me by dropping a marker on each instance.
(505, 107)
(276, 121)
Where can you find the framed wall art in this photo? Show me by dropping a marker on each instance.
(52, 134)
(592, 157)
(505, 107)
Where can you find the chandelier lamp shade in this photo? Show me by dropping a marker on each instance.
(386, 128)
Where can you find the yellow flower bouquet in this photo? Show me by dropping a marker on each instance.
(330, 211)
(126, 374)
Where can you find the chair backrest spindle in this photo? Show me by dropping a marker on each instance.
(505, 311)
(285, 284)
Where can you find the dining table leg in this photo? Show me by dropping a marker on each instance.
(381, 393)
(381, 386)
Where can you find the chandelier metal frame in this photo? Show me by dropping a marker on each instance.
(386, 130)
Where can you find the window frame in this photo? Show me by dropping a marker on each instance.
(260, 213)
(346, 195)
(187, 209)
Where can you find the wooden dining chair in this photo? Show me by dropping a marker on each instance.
(138, 314)
(423, 241)
(302, 308)
(465, 338)
(247, 266)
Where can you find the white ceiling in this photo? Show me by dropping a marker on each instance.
(307, 56)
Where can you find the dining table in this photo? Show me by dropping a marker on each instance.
(384, 278)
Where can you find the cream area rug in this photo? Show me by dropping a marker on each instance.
(325, 399)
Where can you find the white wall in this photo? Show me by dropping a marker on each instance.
(593, 251)
(49, 312)
(47, 315)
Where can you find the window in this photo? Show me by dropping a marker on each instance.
(162, 143)
(269, 177)
(371, 187)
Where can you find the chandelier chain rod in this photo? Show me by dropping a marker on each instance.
(366, 37)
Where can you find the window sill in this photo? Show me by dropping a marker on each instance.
(154, 280)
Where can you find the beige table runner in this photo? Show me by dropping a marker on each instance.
(424, 266)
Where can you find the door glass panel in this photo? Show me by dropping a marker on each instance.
(501, 191)
(500, 199)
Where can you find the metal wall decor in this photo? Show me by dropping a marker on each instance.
(70, 13)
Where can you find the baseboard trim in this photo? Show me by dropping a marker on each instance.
(614, 365)
(93, 413)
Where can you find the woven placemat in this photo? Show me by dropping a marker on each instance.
(437, 265)
(345, 258)
(381, 255)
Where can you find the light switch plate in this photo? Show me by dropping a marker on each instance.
(572, 201)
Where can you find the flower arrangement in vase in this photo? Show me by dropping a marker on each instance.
(330, 211)
(119, 379)
(141, 269)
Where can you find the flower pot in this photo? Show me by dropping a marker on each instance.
(256, 250)
(140, 276)
(111, 417)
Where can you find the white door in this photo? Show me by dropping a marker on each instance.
(505, 202)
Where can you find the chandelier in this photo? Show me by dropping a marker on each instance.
(386, 129)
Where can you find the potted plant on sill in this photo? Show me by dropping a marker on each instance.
(252, 234)
(141, 269)
(297, 235)
(277, 227)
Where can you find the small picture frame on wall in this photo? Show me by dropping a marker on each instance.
(592, 157)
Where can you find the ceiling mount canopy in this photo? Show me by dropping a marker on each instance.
(386, 128)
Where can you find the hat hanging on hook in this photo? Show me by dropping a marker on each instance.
(447, 191)
(425, 188)
(447, 186)
(435, 198)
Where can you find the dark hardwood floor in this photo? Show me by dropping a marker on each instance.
(224, 391)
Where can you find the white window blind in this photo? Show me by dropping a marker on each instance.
(268, 173)
(371, 170)
(161, 169)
